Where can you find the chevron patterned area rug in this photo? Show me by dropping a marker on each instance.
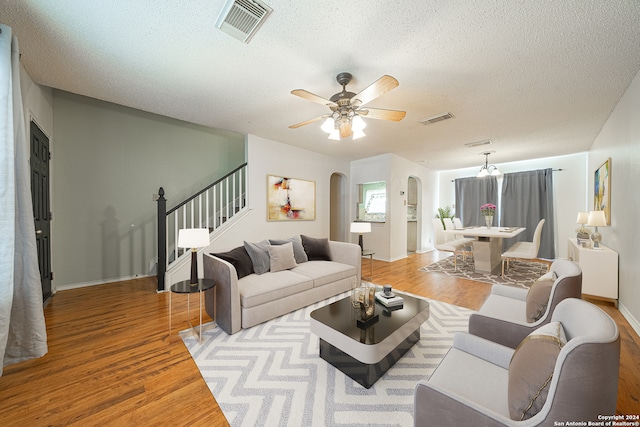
(272, 375)
(521, 274)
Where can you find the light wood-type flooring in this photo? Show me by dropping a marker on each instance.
(111, 361)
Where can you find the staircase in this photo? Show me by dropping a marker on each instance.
(211, 207)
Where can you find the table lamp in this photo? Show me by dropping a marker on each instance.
(596, 219)
(583, 232)
(360, 228)
(193, 238)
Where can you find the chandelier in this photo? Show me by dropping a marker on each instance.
(487, 169)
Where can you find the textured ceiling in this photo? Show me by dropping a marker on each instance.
(538, 78)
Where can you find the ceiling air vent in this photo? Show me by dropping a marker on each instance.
(242, 18)
(478, 143)
(436, 119)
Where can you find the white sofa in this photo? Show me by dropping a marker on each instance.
(256, 298)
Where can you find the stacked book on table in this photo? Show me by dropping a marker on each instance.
(391, 301)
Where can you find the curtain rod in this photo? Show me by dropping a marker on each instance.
(552, 170)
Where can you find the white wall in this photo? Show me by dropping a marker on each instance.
(267, 157)
(619, 139)
(570, 189)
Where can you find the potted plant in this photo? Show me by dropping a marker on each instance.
(443, 213)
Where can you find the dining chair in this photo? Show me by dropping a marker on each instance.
(524, 250)
(457, 223)
(443, 242)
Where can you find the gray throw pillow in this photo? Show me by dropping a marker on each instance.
(282, 257)
(298, 249)
(531, 370)
(316, 249)
(538, 299)
(259, 254)
(239, 258)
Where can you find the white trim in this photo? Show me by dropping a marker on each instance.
(99, 282)
(632, 320)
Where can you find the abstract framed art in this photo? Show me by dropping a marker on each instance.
(602, 190)
(290, 199)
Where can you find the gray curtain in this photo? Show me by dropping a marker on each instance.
(23, 333)
(471, 193)
(527, 197)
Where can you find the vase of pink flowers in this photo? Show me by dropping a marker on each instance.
(488, 210)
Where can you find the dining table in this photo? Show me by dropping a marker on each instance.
(487, 247)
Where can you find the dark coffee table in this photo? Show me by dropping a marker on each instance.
(366, 354)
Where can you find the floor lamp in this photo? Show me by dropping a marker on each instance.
(360, 228)
(193, 238)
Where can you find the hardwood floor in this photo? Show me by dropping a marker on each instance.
(111, 361)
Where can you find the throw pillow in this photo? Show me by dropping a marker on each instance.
(298, 249)
(259, 254)
(538, 299)
(239, 258)
(531, 370)
(551, 275)
(282, 257)
(316, 249)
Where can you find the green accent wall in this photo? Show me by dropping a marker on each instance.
(107, 163)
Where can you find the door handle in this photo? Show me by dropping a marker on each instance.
(38, 231)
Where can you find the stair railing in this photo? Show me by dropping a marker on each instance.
(209, 208)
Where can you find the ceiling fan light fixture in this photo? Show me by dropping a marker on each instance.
(334, 135)
(358, 124)
(358, 133)
(329, 125)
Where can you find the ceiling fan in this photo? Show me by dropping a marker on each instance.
(347, 108)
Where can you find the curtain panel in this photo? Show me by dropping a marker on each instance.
(23, 333)
(527, 197)
(471, 193)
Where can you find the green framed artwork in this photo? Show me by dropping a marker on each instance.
(602, 190)
(290, 199)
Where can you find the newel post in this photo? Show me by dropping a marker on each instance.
(162, 238)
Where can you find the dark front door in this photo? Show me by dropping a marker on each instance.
(41, 204)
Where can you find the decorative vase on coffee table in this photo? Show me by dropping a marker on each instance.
(488, 220)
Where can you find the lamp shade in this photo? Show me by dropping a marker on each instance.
(193, 238)
(361, 227)
(597, 219)
(583, 218)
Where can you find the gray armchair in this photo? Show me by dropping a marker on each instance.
(470, 385)
(502, 318)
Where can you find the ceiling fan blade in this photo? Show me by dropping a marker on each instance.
(381, 86)
(312, 97)
(345, 130)
(297, 125)
(380, 114)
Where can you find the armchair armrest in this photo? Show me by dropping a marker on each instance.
(227, 308)
(500, 331)
(492, 352)
(510, 292)
(435, 406)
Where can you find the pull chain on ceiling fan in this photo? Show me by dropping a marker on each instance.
(347, 109)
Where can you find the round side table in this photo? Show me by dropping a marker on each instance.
(185, 287)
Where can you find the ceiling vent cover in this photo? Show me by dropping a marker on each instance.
(242, 18)
(436, 119)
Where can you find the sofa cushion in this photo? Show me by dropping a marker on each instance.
(531, 370)
(316, 249)
(259, 254)
(281, 257)
(239, 258)
(324, 272)
(257, 290)
(298, 249)
(538, 299)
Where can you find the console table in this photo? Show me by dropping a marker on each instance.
(599, 270)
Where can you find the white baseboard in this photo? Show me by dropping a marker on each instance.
(97, 282)
(632, 320)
